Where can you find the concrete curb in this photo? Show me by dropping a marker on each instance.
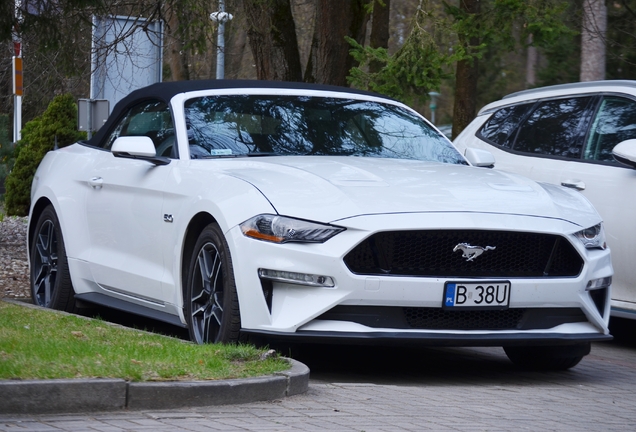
(89, 395)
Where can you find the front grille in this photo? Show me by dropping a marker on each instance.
(430, 253)
(395, 317)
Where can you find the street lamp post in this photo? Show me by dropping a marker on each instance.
(220, 17)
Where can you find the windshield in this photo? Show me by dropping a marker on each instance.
(256, 125)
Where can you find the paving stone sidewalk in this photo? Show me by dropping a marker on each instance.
(480, 392)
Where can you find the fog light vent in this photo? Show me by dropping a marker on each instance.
(599, 297)
(598, 289)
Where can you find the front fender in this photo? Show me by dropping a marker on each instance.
(66, 192)
(193, 199)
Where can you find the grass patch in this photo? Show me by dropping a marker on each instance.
(41, 344)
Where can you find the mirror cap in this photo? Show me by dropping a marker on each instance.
(625, 152)
(134, 146)
(480, 158)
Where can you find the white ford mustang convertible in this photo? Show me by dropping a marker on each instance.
(314, 213)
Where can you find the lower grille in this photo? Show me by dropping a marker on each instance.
(440, 319)
(444, 319)
(431, 253)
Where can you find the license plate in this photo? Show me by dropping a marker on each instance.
(477, 295)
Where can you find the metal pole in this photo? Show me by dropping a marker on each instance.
(89, 116)
(220, 45)
(220, 17)
(17, 80)
(433, 106)
(17, 118)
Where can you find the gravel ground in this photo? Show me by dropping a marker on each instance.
(14, 269)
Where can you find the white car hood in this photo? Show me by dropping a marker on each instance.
(332, 188)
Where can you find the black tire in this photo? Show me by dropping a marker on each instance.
(51, 285)
(554, 358)
(212, 307)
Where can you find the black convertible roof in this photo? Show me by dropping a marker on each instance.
(164, 91)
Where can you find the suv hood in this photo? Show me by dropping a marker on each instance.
(331, 188)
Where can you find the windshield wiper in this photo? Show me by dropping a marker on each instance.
(258, 154)
(226, 156)
(216, 156)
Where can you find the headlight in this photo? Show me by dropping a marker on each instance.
(593, 237)
(281, 229)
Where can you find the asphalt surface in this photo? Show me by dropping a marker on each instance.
(377, 389)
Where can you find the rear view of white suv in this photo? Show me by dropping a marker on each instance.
(574, 135)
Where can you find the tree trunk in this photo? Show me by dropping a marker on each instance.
(237, 52)
(532, 60)
(272, 39)
(466, 78)
(329, 59)
(177, 57)
(379, 31)
(593, 40)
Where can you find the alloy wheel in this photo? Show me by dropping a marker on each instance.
(45, 263)
(207, 294)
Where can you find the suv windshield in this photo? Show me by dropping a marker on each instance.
(244, 125)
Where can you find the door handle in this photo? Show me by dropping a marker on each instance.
(96, 182)
(574, 184)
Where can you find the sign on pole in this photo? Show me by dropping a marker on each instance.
(18, 88)
(91, 115)
(17, 76)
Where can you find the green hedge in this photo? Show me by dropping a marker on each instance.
(38, 137)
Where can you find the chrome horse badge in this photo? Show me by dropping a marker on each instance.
(471, 252)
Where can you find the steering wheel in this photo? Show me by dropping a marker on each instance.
(167, 148)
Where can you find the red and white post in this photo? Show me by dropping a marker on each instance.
(17, 90)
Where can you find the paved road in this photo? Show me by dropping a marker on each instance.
(450, 389)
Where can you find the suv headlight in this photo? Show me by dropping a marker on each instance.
(281, 229)
(592, 237)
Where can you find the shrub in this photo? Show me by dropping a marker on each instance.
(4, 130)
(6, 150)
(7, 158)
(39, 137)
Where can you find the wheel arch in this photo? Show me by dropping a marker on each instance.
(37, 210)
(193, 230)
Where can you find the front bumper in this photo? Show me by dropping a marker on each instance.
(389, 338)
(292, 311)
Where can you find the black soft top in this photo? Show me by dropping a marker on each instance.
(164, 91)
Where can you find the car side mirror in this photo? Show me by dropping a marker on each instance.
(480, 157)
(137, 147)
(625, 152)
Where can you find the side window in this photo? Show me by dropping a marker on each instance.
(151, 119)
(614, 122)
(503, 123)
(555, 128)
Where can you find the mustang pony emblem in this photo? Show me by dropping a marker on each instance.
(471, 252)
